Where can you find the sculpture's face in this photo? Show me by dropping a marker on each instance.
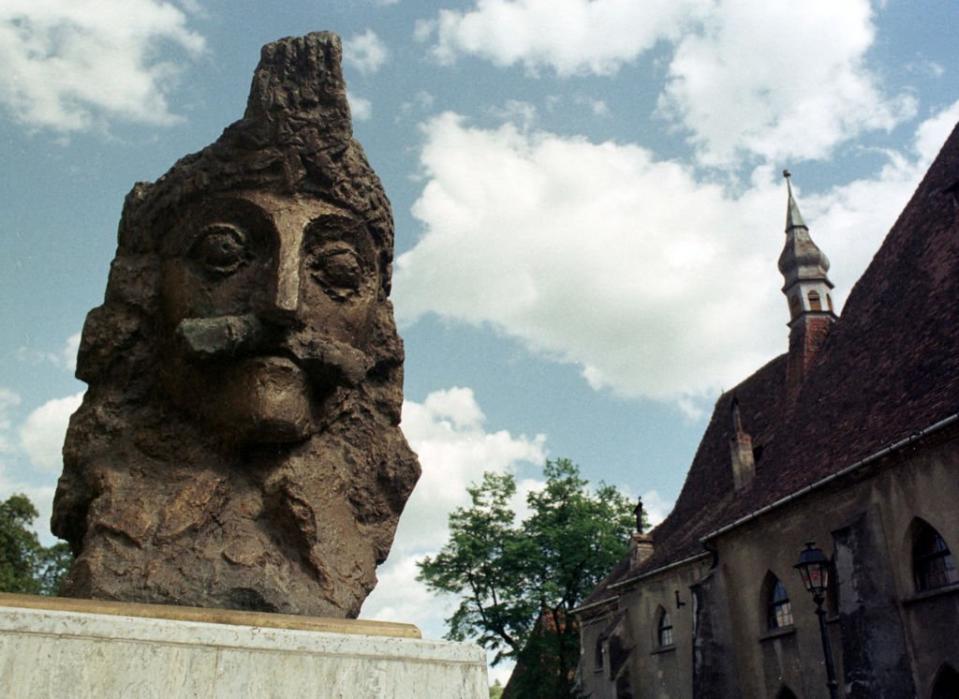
(267, 305)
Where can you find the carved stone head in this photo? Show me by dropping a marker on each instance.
(239, 443)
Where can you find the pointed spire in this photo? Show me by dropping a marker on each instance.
(794, 219)
(801, 258)
(807, 289)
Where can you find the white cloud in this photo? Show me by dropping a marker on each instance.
(70, 65)
(569, 36)
(595, 254)
(448, 432)
(516, 111)
(68, 355)
(774, 79)
(360, 108)
(366, 52)
(656, 506)
(741, 86)
(42, 433)
(399, 597)
(653, 282)
(423, 29)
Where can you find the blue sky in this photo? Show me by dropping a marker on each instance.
(587, 197)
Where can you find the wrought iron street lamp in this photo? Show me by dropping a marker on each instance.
(814, 568)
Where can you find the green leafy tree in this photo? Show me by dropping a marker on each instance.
(25, 565)
(519, 581)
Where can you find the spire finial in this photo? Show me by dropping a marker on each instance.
(794, 219)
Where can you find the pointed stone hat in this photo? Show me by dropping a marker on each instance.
(295, 137)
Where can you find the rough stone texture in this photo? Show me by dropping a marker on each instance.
(92, 656)
(239, 443)
(874, 654)
(713, 674)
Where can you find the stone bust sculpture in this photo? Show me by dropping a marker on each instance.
(239, 443)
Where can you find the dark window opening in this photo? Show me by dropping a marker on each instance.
(664, 630)
(757, 453)
(598, 655)
(815, 303)
(779, 613)
(932, 561)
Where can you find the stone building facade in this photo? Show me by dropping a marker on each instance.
(851, 440)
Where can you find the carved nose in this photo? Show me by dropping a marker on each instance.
(283, 299)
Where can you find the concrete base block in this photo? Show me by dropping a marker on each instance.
(101, 652)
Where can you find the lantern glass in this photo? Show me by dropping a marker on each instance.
(813, 566)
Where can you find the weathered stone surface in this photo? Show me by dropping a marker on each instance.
(239, 443)
(49, 653)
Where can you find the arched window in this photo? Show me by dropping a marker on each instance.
(664, 629)
(785, 693)
(815, 303)
(932, 562)
(779, 612)
(947, 683)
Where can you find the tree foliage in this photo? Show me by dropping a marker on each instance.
(519, 580)
(25, 565)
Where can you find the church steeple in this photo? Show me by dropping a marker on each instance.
(803, 265)
(807, 288)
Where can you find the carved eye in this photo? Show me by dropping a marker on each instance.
(338, 271)
(221, 249)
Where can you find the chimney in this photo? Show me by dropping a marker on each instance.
(640, 549)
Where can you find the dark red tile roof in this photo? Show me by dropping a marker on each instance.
(889, 368)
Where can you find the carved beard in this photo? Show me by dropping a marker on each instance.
(274, 528)
(161, 509)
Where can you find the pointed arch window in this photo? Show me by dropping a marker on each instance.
(779, 611)
(664, 629)
(932, 562)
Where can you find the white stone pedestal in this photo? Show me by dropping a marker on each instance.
(77, 649)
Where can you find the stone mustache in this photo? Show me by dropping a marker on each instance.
(239, 443)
